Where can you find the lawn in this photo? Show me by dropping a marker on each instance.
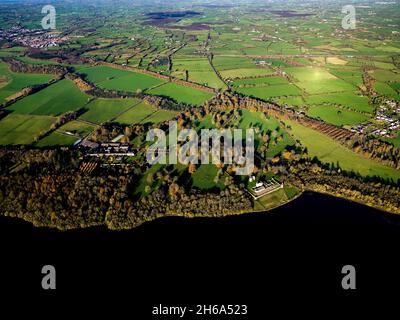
(15, 82)
(22, 129)
(182, 94)
(329, 151)
(103, 110)
(55, 100)
(336, 116)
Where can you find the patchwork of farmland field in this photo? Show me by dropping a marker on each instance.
(55, 100)
(199, 71)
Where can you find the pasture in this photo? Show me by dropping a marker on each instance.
(265, 93)
(17, 129)
(260, 81)
(347, 99)
(57, 139)
(245, 73)
(137, 114)
(77, 127)
(55, 100)
(187, 95)
(336, 116)
(120, 80)
(329, 151)
(103, 110)
(11, 82)
(206, 177)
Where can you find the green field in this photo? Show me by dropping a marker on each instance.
(346, 99)
(199, 71)
(329, 151)
(245, 73)
(336, 115)
(103, 110)
(55, 100)
(11, 82)
(183, 94)
(260, 81)
(120, 80)
(22, 129)
(266, 93)
(206, 177)
(326, 86)
(160, 116)
(384, 89)
(77, 127)
(56, 139)
(137, 114)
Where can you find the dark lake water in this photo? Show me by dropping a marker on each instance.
(305, 243)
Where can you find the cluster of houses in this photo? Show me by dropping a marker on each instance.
(262, 188)
(105, 150)
(36, 38)
(387, 120)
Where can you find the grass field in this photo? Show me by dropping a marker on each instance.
(137, 114)
(160, 116)
(120, 80)
(56, 139)
(183, 94)
(266, 93)
(271, 200)
(395, 141)
(329, 151)
(336, 115)
(259, 120)
(77, 127)
(384, 89)
(103, 110)
(55, 100)
(206, 177)
(260, 81)
(199, 70)
(347, 99)
(14, 82)
(22, 129)
(326, 86)
(245, 73)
